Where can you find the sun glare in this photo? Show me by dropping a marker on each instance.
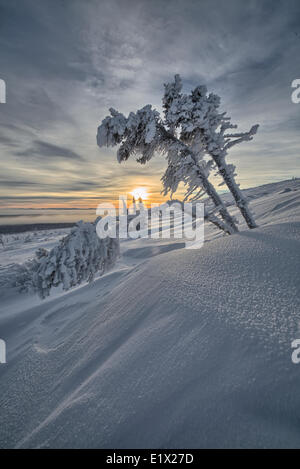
(140, 193)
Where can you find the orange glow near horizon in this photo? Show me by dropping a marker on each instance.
(84, 200)
(140, 193)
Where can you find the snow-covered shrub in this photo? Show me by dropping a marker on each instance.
(77, 258)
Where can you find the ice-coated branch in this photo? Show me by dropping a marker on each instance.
(240, 137)
(135, 134)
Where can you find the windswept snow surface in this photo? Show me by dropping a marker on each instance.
(174, 348)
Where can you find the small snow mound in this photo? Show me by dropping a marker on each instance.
(287, 189)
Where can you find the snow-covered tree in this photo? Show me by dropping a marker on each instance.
(203, 127)
(191, 128)
(142, 134)
(78, 257)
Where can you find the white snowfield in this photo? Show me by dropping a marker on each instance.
(174, 348)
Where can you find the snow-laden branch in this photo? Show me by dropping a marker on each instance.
(240, 137)
(135, 134)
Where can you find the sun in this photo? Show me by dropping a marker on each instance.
(140, 193)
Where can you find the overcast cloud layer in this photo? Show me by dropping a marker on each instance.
(66, 62)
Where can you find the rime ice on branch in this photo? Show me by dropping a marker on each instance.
(191, 128)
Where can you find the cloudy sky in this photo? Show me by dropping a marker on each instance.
(65, 62)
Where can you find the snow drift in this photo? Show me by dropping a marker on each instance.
(187, 349)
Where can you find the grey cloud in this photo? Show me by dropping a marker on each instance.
(67, 186)
(7, 141)
(49, 197)
(42, 149)
(16, 183)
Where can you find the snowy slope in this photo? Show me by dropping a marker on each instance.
(174, 348)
